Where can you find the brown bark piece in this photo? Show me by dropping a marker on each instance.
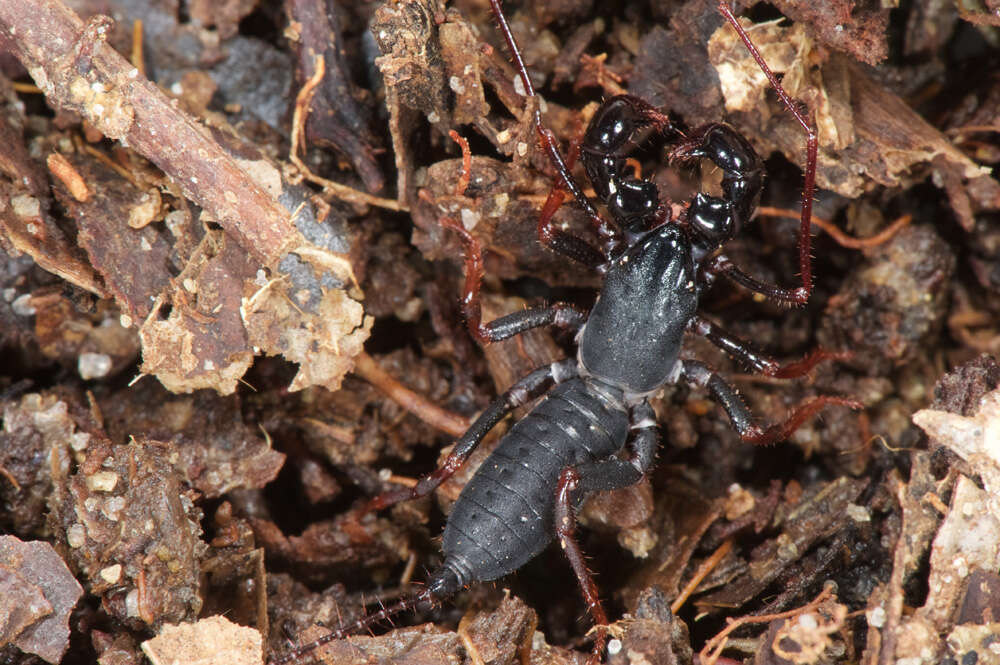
(215, 448)
(130, 527)
(414, 76)
(16, 164)
(902, 138)
(203, 342)
(38, 594)
(337, 117)
(866, 133)
(411, 62)
(77, 70)
(961, 390)
(134, 262)
(21, 602)
(817, 518)
(30, 229)
(854, 27)
(500, 637)
(981, 602)
(464, 73)
(335, 544)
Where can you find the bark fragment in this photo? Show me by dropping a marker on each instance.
(38, 593)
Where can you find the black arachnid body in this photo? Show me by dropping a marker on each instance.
(595, 430)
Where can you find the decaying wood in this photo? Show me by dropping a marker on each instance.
(227, 253)
(77, 70)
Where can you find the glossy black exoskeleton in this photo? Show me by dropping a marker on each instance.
(595, 430)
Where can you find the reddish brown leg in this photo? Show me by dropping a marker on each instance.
(366, 621)
(801, 294)
(565, 243)
(558, 314)
(802, 367)
(471, 307)
(552, 203)
(520, 393)
(608, 232)
(741, 350)
(700, 375)
(565, 518)
(804, 411)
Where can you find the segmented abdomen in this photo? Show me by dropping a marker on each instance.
(503, 517)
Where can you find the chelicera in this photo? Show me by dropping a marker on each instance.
(595, 429)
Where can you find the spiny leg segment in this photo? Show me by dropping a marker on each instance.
(759, 362)
(522, 392)
(609, 234)
(699, 374)
(558, 314)
(723, 265)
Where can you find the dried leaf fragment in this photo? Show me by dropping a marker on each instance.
(212, 641)
(969, 538)
(975, 439)
(323, 340)
(202, 343)
(865, 132)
